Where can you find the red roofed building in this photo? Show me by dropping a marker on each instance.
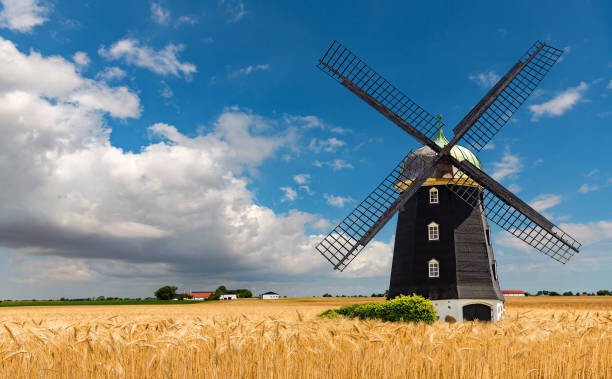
(513, 292)
(200, 295)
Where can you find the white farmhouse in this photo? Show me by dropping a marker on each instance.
(229, 296)
(269, 296)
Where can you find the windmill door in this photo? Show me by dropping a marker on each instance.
(477, 312)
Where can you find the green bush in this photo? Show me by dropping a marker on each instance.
(413, 308)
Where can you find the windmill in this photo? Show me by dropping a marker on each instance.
(442, 244)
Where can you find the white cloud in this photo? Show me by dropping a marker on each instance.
(22, 86)
(514, 188)
(544, 202)
(586, 188)
(337, 201)
(589, 233)
(289, 194)
(22, 15)
(609, 86)
(335, 165)
(81, 59)
(248, 70)
(329, 145)
(165, 91)
(485, 80)
(306, 122)
(110, 74)
(561, 103)
(181, 205)
(235, 9)
(302, 179)
(163, 16)
(159, 14)
(186, 20)
(509, 165)
(162, 62)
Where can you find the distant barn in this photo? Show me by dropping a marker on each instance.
(269, 296)
(200, 295)
(513, 293)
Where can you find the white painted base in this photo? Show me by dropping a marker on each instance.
(452, 309)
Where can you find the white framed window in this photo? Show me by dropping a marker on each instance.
(433, 196)
(433, 231)
(434, 268)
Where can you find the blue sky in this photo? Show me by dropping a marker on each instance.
(152, 142)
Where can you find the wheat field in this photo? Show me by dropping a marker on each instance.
(540, 337)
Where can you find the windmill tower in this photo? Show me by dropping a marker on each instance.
(445, 201)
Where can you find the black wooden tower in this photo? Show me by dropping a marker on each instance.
(444, 199)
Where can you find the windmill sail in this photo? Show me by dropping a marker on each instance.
(353, 73)
(509, 212)
(347, 239)
(487, 117)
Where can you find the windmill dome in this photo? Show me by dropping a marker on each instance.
(460, 153)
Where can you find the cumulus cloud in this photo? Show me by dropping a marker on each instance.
(289, 194)
(561, 103)
(22, 15)
(337, 201)
(81, 59)
(110, 74)
(485, 80)
(179, 209)
(302, 179)
(22, 87)
(162, 62)
(509, 165)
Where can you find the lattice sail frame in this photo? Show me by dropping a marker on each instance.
(347, 239)
(533, 66)
(349, 70)
(547, 238)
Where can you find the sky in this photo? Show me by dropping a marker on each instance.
(196, 144)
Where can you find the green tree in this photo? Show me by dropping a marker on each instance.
(165, 293)
(244, 293)
(568, 293)
(327, 295)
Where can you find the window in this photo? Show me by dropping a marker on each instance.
(433, 231)
(494, 269)
(434, 268)
(433, 196)
(488, 234)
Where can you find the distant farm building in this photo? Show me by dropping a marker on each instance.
(513, 293)
(229, 296)
(200, 295)
(269, 296)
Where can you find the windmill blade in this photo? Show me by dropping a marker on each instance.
(487, 117)
(347, 239)
(353, 73)
(511, 213)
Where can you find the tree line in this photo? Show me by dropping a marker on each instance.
(170, 293)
